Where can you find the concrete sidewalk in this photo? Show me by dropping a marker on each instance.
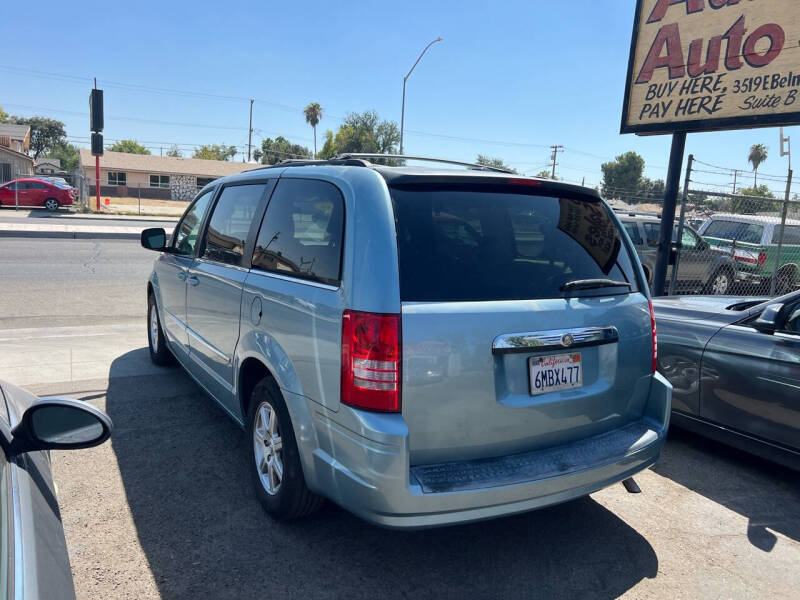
(37, 358)
(78, 232)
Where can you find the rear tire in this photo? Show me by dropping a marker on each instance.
(274, 458)
(720, 283)
(51, 204)
(786, 279)
(159, 352)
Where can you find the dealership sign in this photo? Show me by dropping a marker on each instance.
(699, 65)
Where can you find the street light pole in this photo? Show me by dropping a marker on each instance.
(403, 109)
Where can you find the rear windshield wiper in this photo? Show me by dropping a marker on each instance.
(591, 284)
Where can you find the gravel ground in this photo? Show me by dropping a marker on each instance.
(166, 511)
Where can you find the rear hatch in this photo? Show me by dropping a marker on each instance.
(514, 337)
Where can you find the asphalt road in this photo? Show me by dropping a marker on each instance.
(60, 282)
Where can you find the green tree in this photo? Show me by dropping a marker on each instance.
(45, 133)
(545, 174)
(215, 152)
(746, 204)
(363, 132)
(758, 154)
(174, 152)
(653, 190)
(128, 146)
(68, 155)
(622, 178)
(274, 151)
(329, 147)
(3, 115)
(494, 162)
(313, 114)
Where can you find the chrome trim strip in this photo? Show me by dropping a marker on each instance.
(19, 579)
(208, 261)
(536, 341)
(219, 353)
(180, 323)
(316, 284)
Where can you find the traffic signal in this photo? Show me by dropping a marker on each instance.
(96, 111)
(97, 144)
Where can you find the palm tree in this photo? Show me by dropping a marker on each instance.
(313, 113)
(758, 154)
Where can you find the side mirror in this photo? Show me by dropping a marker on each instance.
(60, 424)
(154, 238)
(770, 318)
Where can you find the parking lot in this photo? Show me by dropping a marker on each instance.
(165, 510)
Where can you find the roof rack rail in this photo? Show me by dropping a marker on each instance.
(475, 166)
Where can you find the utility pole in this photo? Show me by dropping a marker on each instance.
(250, 131)
(556, 150)
(735, 173)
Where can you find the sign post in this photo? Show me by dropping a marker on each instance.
(708, 65)
(96, 126)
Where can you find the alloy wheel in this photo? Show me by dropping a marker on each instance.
(51, 204)
(720, 284)
(268, 448)
(153, 328)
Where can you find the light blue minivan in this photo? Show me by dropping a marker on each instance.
(422, 346)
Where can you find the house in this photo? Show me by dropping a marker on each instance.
(14, 142)
(123, 174)
(16, 137)
(48, 166)
(14, 164)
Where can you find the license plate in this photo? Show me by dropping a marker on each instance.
(555, 372)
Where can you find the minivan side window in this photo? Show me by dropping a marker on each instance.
(302, 232)
(188, 229)
(230, 223)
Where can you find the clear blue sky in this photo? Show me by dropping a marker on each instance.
(509, 79)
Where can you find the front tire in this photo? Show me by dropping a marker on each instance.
(51, 204)
(159, 352)
(274, 458)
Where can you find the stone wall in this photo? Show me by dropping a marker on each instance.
(183, 187)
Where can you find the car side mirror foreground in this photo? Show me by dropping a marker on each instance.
(770, 318)
(60, 424)
(154, 238)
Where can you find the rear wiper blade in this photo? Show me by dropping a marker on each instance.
(590, 284)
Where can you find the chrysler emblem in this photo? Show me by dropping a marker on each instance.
(567, 340)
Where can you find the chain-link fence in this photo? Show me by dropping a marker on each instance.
(731, 241)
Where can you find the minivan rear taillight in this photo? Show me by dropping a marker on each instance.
(655, 337)
(371, 361)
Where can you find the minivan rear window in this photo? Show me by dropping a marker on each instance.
(461, 245)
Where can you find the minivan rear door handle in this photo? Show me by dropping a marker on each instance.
(193, 280)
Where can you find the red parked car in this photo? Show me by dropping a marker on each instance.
(37, 192)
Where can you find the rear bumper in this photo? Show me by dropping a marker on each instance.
(360, 461)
